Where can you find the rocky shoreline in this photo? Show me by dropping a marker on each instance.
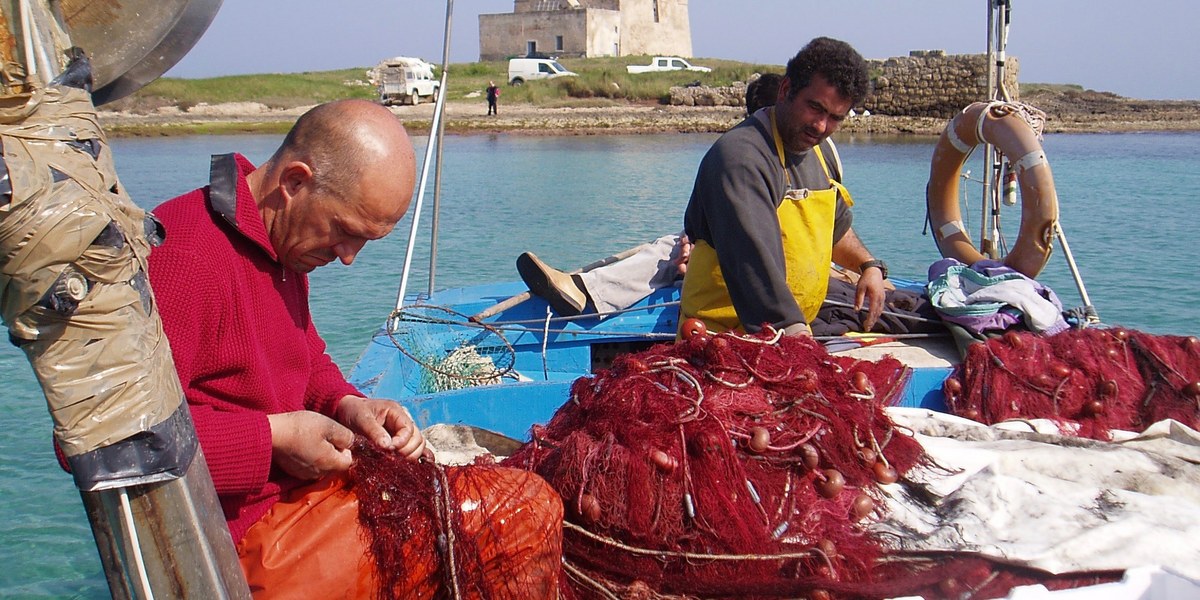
(1067, 112)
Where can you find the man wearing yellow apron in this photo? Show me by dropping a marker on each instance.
(768, 214)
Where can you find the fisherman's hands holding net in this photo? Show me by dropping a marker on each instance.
(309, 445)
(387, 424)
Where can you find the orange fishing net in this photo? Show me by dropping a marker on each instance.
(1091, 380)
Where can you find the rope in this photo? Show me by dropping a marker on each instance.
(686, 555)
(1033, 116)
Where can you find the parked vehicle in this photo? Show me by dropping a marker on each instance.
(404, 80)
(521, 70)
(666, 63)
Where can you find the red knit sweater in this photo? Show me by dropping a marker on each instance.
(242, 337)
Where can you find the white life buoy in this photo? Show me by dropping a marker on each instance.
(1001, 125)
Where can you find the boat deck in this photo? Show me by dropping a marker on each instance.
(544, 354)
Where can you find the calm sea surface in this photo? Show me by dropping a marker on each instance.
(1128, 203)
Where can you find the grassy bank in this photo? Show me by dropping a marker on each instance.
(604, 98)
(601, 81)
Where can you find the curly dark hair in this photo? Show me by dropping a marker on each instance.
(762, 92)
(840, 64)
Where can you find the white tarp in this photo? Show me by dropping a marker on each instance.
(1023, 494)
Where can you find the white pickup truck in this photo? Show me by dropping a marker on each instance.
(666, 63)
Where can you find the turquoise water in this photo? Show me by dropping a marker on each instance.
(1128, 207)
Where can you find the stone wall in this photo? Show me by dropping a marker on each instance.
(923, 84)
(509, 34)
(932, 83)
(703, 95)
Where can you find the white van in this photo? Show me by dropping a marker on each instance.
(521, 70)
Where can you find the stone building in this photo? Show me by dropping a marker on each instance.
(587, 28)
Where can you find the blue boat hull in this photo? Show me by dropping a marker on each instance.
(549, 356)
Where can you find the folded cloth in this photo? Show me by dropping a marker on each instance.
(988, 295)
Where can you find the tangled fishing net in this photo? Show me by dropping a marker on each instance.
(718, 467)
(1090, 380)
(477, 531)
(724, 466)
(455, 352)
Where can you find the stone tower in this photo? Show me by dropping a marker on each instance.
(587, 28)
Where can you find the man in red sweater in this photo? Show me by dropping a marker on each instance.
(272, 411)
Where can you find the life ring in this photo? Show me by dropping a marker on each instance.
(1001, 125)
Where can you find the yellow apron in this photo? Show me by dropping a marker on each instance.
(806, 233)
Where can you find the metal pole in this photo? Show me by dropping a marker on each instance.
(1089, 311)
(987, 245)
(439, 107)
(437, 176)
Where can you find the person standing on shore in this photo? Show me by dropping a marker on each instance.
(274, 415)
(493, 94)
(768, 208)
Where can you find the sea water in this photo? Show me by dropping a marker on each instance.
(1128, 209)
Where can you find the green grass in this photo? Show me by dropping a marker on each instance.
(1029, 88)
(276, 90)
(601, 81)
(599, 78)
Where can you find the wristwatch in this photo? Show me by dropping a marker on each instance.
(874, 262)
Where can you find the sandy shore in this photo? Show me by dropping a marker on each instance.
(1078, 112)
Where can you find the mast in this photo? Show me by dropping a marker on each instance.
(437, 175)
(994, 170)
(1000, 180)
(436, 130)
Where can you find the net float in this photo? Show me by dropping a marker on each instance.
(810, 456)
(665, 462)
(760, 439)
(862, 506)
(692, 327)
(832, 484)
(885, 473)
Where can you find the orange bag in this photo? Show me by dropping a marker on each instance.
(310, 544)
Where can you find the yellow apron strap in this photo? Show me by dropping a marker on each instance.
(787, 178)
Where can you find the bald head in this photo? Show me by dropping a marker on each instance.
(343, 176)
(344, 141)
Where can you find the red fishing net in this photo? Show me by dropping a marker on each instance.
(724, 466)
(479, 531)
(740, 467)
(1091, 380)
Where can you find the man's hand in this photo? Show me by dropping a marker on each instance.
(387, 424)
(309, 445)
(685, 252)
(871, 290)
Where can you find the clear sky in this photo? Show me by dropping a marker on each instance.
(1142, 49)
